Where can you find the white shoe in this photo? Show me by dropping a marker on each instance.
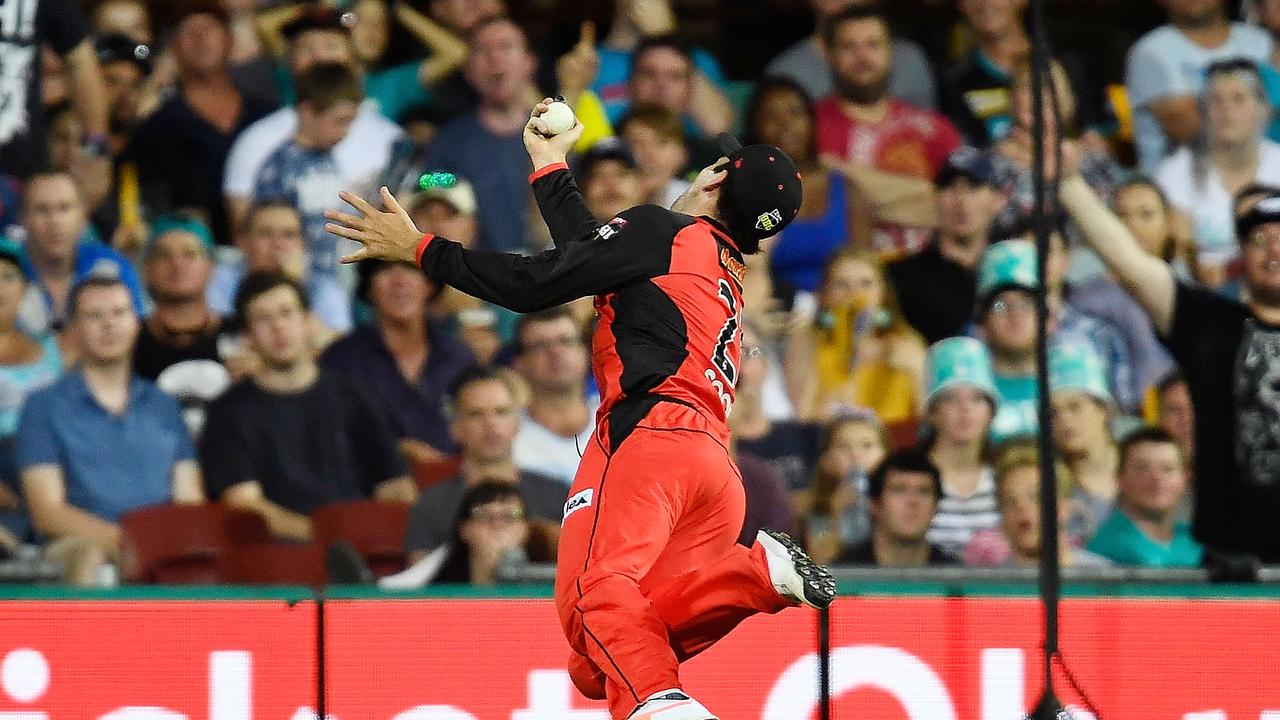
(795, 576)
(671, 705)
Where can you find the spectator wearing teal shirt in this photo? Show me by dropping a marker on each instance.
(32, 363)
(396, 89)
(1143, 529)
(634, 22)
(1006, 321)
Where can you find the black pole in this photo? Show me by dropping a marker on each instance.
(824, 664)
(1048, 707)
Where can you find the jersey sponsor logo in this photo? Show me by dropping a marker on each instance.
(578, 501)
(736, 269)
(611, 228)
(769, 220)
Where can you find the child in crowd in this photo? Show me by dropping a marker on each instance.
(863, 353)
(303, 172)
(832, 512)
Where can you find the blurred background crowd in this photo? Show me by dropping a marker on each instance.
(175, 327)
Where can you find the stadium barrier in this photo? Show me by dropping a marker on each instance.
(923, 650)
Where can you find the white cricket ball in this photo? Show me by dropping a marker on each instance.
(559, 118)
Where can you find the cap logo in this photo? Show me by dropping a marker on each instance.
(769, 220)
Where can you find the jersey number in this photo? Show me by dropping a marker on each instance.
(720, 356)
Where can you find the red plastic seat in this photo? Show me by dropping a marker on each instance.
(376, 529)
(274, 564)
(181, 544)
(430, 473)
(903, 434)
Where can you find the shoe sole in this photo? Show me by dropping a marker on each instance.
(817, 585)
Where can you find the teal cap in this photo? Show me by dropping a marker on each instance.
(178, 222)
(959, 362)
(12, 252)
(1006, 264)
(1075, 366)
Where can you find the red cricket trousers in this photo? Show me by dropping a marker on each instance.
(649, 571)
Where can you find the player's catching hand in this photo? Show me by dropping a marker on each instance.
(386, 234)
(543, 147)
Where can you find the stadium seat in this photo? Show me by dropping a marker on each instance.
(903, 434)
(376, 529)
(430, 473)
(274, 564)
(181, 544)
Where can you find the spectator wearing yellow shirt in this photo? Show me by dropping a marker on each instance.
(863, 353)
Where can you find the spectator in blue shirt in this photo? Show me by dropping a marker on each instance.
(485, 146)
(55, 218)
(634, 21)
(271, 241)
(101, 441)
(1144, 529)
(304, 172)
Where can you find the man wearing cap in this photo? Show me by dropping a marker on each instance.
(1228, 353)
(315, 36)
(1005, 311)
(935, 287)
(176, 265)
(182, 148)
(649, 571)
(449, 210)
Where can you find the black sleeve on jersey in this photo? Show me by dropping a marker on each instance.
(634, 246)
(562, 206)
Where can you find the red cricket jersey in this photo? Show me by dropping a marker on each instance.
(667, 286)
(910, 141)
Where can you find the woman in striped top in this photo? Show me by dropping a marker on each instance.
(962, 402)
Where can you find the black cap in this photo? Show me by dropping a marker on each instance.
(610, 148)
(968, 163)
(763, 187)
(317, 17)
(1266, 210)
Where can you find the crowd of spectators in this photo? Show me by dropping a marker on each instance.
(175, 326)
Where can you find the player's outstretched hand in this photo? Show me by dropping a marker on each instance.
(543, 147)
(385, 234)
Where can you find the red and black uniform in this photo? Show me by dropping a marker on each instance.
(649, 572)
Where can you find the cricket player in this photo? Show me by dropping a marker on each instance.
(649, 573)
